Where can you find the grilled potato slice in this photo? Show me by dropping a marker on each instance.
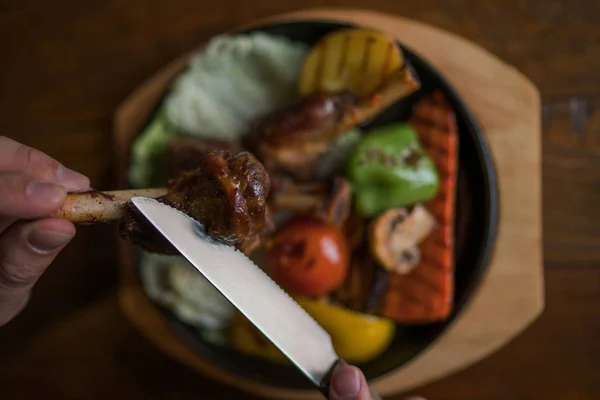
(359, 60)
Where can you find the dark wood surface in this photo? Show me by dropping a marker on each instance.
(66, 65)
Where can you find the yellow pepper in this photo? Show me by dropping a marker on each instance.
(356, 337)
(248, 340)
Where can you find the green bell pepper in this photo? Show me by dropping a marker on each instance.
(389, 168)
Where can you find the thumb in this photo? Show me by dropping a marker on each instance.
(26, 249)
(349, 383)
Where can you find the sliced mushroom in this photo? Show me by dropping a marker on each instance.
(407, 260)
(394, 237)
(420, 223)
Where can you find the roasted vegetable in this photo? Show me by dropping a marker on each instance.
(355, 229)
(356, 337)
(377, 295)
(329, 200)
(295, 139)
(248, 340)
(359, 60)
(389, 168)
(425, 294)
(394, 237)
(336, 208)
(308, 257)
(298, 198)
(356, 289)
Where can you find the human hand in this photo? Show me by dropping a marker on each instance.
(32, 185)
(349, 383)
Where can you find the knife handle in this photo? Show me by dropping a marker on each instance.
(325, 386)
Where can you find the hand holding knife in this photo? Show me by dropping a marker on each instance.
(306, 344)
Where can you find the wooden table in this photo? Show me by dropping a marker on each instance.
(66, 65)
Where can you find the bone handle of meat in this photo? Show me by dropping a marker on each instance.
(400, 85)
(95, 206)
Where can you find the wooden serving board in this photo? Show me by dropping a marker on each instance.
(509, 297)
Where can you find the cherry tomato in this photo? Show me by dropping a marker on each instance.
(309, 257)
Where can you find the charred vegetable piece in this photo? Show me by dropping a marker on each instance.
(360, 60)
(394, 237)
(336, 208)
(298, 198)
(377, 295)
(356, 228)
(227, 194)
(330, 201)
(389, 169)
(308, 257)
(425, 295)
(357, 286)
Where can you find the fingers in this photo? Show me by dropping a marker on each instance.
(23, 196)
(26, 249)
(32, 185)
(349, 383)
(12, 306)
(15, 156)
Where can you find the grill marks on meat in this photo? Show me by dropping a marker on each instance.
(425, 294)
(292, 140)
(225, 193)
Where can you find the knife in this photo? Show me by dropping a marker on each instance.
(295, 333)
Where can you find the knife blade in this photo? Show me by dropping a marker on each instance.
(287, 325)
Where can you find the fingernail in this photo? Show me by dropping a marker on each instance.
(72, 180)
(44, 242)
(346, 384)
(45, 193)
